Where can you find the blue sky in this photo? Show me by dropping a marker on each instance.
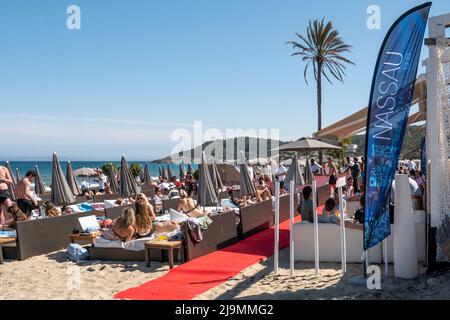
(139, 69)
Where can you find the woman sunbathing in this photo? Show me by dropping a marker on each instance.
(144, 225)
(262, 191)
(123, 228)
(16, 216)
(50, 209)
(187, 206)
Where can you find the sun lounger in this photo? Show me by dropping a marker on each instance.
(255, 218)
(116, 212)
(119, 251)
(170, 204)
(103, 197)
(43, 236)
(220, 234)
(330, 244)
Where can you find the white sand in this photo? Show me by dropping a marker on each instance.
(259, 282)
(52, 277)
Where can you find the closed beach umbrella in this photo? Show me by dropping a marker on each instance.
(61, 192)
(128, 185)
(309, 176)
(71, 180)
(165, 174)
(160, 171)
(17, 175)
(169, 172)
(215, 177)
(147, 178)
(11, 187)
(246, 184)
(190, 170)
(182, 171)
(112, 179)
(39, 187)
(295, 173)
(207, 195)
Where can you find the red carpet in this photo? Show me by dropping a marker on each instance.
(199, 275)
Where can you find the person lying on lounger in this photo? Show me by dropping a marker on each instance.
(187, 206)
(50, 209)
(17, 215)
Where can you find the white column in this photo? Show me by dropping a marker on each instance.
(436, 29)
(405, 252)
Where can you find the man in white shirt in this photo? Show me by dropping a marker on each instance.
(102, 180)
(411, 165)
(281, 174)
(315, 168)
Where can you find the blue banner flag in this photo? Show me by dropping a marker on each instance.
(390, 98)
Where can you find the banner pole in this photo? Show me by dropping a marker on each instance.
(277, 222)
(292, 228)
(386, 262)
(316, 228)
(343, 242)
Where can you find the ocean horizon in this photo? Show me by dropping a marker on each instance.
(45, 167)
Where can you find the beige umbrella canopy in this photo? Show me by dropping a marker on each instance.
(215, 177)
(128, 185)
(169, 172)
(308, 144)
(295, 173)
(182, 171)
(147, 178)
(85, 172)
(72, 180)
(11, 187)
(39, 187)
(207, 195)
(61, 192)
(309, 176)
(247, 187)
(112, 179)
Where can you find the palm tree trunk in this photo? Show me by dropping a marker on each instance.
(319, 104)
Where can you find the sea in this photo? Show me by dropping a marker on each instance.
(45, 167)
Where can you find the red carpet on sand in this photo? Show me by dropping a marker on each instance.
(197, 276)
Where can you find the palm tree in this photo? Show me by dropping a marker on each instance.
(322, 47)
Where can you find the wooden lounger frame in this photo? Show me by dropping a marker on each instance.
(117, 254)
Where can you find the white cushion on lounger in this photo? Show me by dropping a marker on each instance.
(330, 243)
(135, 245)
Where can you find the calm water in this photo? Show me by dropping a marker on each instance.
(45, 167)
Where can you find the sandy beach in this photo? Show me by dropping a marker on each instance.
(51, 277)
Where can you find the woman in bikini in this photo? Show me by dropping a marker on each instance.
(187, 206)
(123, 228)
